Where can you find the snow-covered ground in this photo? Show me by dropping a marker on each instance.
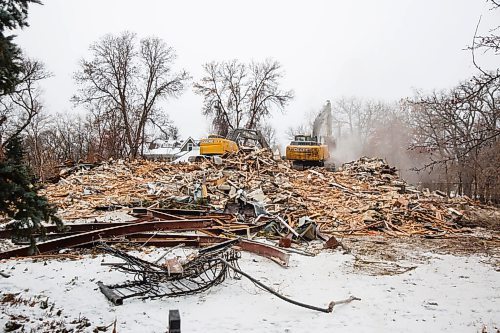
(443, 293)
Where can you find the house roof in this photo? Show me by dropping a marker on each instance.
(190, 139)
(162, 151)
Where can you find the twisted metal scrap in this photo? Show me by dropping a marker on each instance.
(151, 280)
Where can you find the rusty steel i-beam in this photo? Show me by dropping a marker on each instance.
(97, 235)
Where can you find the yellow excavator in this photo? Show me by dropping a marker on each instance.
(307, 151)
(216, 145)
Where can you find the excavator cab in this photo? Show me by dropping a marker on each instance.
(305, 140)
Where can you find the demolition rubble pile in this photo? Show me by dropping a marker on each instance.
(363, 196)
(226, 203)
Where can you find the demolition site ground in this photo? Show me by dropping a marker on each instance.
(251, 245)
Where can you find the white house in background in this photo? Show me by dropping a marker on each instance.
(190, 147)
(169, 150)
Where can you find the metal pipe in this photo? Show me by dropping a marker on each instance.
(110, 294)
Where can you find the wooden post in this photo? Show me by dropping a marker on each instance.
(174, 321)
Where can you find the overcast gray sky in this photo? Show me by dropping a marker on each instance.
(371, 49)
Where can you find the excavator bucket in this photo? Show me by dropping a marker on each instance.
(248, 137)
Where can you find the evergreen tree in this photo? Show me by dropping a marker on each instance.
(13, 15)
(18, 196)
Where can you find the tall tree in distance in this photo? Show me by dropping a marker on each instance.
(126, 79)
(19, 107)
(238, 95)
(461, 126)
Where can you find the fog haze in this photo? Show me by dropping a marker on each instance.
(328, 49)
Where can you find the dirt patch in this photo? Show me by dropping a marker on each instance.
(385, 255)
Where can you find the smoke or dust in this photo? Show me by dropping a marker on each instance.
(346, 149)
(353, 128)
(390, 143)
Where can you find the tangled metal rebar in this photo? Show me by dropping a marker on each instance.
(152, 280)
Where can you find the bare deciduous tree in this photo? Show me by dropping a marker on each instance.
(487, 44)
(346, 112)
(163, 127)
(33, 140)
(358, 118)
(125, 81)
(459, 126)
(301, 129)
(237, 95)
(269, 134)
(23, 102)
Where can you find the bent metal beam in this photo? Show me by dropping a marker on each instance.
(97, 235)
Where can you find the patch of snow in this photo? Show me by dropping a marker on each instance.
(6, 245)
(446, 294)
(163, 151)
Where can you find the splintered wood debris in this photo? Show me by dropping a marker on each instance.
(364, 196)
